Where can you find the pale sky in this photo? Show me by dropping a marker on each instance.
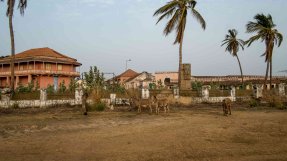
(106, 33)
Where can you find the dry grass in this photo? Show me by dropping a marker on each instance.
(198, 133)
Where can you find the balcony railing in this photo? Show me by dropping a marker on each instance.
(40, 72)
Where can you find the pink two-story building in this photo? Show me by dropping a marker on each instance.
(44, 66)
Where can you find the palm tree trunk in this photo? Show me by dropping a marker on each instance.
(11, 8)
(179, 67)
(180, 62)
(266, 75)
(270, 72)
(271, 53)
(240, 69)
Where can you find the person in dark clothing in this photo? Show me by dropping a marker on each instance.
(84, 100)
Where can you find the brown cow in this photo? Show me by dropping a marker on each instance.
(226, 105)
(142, 103)
(160, 103)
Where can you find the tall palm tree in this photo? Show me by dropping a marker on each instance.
(177, 11)
(233, 45)
(22, 4)
(265, 30)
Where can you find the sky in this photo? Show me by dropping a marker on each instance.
(106, 33)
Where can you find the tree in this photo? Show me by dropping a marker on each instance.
(94, 78)
(63, 87)
(177, 11)
(72, 85)
(233, 45)
(265, 30)
(22, 4)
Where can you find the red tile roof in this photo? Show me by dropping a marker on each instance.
(128, 73)
(42, 53)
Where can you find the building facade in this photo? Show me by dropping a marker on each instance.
(123, 77)
(168, 79)
(142, 80)
(41, 66)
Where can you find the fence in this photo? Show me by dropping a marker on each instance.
(40, 99)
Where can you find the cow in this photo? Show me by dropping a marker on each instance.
(226, 105)
(160, 103)
(142, 103)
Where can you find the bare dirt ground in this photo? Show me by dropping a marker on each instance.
(197, 133)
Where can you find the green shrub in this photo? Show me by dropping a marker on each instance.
(15, 106)
(253, 103)
(96, 107)
(62, 87)
(276, 102)
(100, 107)
(50, 89)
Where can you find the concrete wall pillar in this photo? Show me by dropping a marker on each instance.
(145, 93)
(258, 91)
(233, 93)
(176, 93)
(113, 97)
(268, 86)
(205, 92)
(43, 98)
(43, 95)
(281, 88)
(78, 96)
(247, 87)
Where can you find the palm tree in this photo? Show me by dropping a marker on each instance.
(265, 30)
(232, 46)
(22, 4)
(177, 11)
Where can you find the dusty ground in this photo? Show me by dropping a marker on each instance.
(197, 133)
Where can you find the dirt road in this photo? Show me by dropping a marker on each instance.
(184, 134)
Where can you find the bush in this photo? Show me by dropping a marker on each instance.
(96, 107)
(253, 103)
(50, 89)
(62, 87)
(276, 102)
(15, 106)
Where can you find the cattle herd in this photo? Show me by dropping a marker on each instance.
(153, 104)
(158, 104)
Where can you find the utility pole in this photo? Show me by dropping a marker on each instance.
(127, 63)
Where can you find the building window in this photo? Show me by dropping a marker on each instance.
(21, 67)
(60, 67)
(48, 66)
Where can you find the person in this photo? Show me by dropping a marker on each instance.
(84, 99)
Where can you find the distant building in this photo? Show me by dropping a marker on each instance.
(169, 79)
(236, 79)
(44, 66)
(142, 80)
(122, 78)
